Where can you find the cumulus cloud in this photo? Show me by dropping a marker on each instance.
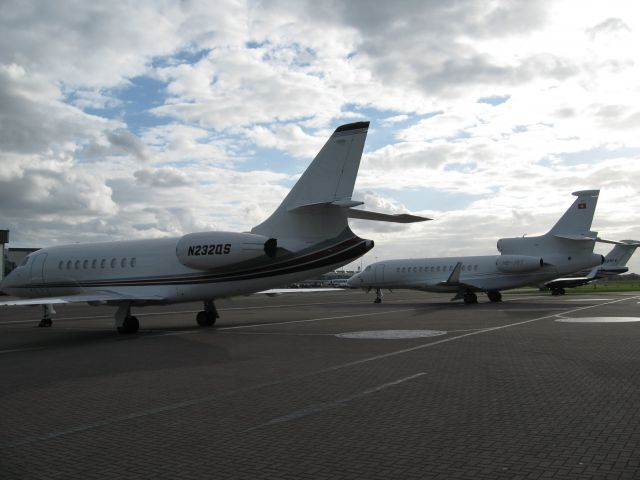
(162, 177)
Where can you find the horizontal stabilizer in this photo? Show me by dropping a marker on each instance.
(385, 217)
(335, 203)
(626, 243)
(579, 238)
(357, 213)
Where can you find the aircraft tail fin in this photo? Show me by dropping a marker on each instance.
(306, 212)
(575, 224)
(621, 253)
(319, 204)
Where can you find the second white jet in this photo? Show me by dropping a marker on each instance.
(566, 248)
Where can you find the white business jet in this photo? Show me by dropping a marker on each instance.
(566, 248)
(307, 235)
(614, 264)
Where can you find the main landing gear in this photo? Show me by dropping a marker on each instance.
(557, 291)
(209, 315)
(378, 296)
(125, 322)
(494, 296)
(470, 298)
(47, 311)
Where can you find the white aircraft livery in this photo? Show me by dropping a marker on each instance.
(307, 235)
(614, 264)
(566, 248)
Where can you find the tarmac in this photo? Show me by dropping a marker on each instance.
(327, 386)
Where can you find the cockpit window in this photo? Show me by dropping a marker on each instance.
(25, 261)
(368, 268)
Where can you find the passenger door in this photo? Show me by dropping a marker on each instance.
(37, 274)
(379, 273)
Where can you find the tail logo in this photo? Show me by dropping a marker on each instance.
(582, 206)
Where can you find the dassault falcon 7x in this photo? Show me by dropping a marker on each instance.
(308, 234)
(614, 264)
(566, 248)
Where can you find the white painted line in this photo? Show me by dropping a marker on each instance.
(20, 350)
(320, 319)
(321, 407)
(268, 324)
(587, 299)
(174, 312)
(390, 334)
(598, 319)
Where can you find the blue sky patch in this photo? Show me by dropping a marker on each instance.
(494, 99)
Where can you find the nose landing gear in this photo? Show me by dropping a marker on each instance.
(47, 311)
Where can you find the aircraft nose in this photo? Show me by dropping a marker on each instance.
(6, 283)
(354, 281)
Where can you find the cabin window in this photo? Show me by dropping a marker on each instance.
(85, 264)
(123, 262)
(415, 269)
(437, 268)
(113, 263)
(69, 265)
(397, 269)
(94, 263)
(132, 262)
(103, 263)
(60, 265)
(77, 265)
(420, 269)
(402, 269)
(475, 267)
(432, 269)
(450, 268)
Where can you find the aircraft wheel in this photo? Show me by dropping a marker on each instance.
(494, 296)
(45, 322)
(377, 300)
(205, 319)
(561, 291)
(555, 291)
(130, 325)
(470, 298)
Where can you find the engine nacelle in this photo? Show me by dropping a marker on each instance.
(209, 250)
(519, 245)
(518, 263)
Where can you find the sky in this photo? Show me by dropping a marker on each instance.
(137, 119)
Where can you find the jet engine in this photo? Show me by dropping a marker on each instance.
(209, 250)
(518, 263)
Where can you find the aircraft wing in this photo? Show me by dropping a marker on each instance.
(454, 281)
(97, 296)
(569, 282)
(272, 292)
